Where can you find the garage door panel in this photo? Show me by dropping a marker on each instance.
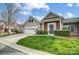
(30, 30)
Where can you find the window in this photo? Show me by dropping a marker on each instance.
(72, 28)
(67, 27)
(30, 20)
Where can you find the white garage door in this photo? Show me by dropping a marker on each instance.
(30, 30)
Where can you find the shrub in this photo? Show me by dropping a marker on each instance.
(41, 32)
(3, 34)
(17, 31)
(62, 32)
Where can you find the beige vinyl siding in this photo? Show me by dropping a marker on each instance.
(31, 24)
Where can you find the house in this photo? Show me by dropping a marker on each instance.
(51, 22)
(12, 26)
(31, 25)
(72, 24)
(2, 26)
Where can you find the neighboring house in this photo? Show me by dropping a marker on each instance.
(72, 24)
(2, 26)
(12, 26)
(31, 25)
(51, 22)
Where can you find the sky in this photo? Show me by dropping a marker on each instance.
(39, 10)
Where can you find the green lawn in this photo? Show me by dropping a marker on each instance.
(54, 45)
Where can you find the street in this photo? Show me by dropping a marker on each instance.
(5, 50)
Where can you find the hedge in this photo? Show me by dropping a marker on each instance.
(17, 32)
(3, 34)
(41, 32)
(62, 32)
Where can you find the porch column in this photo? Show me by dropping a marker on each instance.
(61, 24)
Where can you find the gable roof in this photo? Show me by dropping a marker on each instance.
(31, 17)
(52, 15)
(70, 20)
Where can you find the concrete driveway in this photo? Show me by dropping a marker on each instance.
(10, 40)
(14, 38)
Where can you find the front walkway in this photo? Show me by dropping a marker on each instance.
(11, 42)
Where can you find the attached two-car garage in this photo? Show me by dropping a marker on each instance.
(31, 25)
(30, 30)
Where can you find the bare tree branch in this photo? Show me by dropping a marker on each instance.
(9, 14)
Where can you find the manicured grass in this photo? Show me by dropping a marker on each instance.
(54, 45)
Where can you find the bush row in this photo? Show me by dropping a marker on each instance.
(41, 32)
(62, 32)
(56, 32)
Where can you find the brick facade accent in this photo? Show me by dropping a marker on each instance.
(46, 25)
(57, 24)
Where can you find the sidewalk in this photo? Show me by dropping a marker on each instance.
(11, 42)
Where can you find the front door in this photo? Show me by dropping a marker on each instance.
(51, 29)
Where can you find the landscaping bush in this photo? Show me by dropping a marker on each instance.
(41, 32)
(62, 32)
(3, 34)
(17, 31)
